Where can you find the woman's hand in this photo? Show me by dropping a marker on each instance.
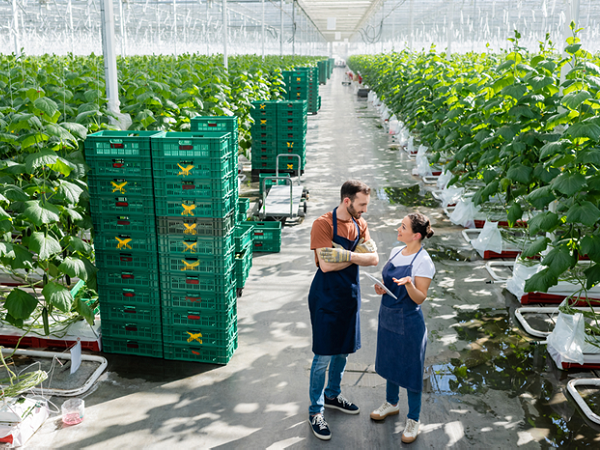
(379, 290)
(403, 281)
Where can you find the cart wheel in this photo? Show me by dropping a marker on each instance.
(259, 204)
(239, 292)
(305, 207)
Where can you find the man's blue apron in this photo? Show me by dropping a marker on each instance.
(334, 304)
(402, 335)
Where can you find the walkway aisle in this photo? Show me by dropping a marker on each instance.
(260, 399)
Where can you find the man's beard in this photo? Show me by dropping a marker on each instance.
(353, 212)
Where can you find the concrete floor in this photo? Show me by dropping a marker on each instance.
(260, 399)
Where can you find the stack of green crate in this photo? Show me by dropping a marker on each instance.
(264, 134)
(243, 252)
(195, 200)
(307, 89)
(323, 67)
(266, 236)
(122, 206)
(292, 126)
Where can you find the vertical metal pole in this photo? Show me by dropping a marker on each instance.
(410, 25)
(206, 30)
(382, 20)
(293, 28)
(263, 29)
(70, 9)
(122, 29)
(110, 57)
(157, 29)
(15, 27)
(449, 29)
(225, 34)
(281, 29)
(175, 25)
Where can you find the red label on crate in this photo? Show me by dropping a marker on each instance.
(123, 222)
(130, 328)
(117, 146)
(192, 281)
(118, 163)
(128, 294)
(196, 353)
(124, 204)
(132, 345)
(126, 258)
(193, 317)
(212, 124)
(186, 147)
(130, 311)
(193, 299)
(258, 244)
(127, 276)
(258, 233)
(186, 187)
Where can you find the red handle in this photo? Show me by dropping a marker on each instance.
(118, 165)
(127, 276)
(192, 281)
(128, 294)
(186, 147)
(123, 204)
(210, 124)
(117, 146)
(193, 317)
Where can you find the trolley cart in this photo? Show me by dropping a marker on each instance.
(283, 201)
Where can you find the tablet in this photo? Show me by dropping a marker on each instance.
(381, 285)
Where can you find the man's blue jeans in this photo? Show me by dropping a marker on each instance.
(392, 395)
(337, 364)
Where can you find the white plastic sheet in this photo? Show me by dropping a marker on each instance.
(464, 213)
(451, 196)
(444, 179)
(411, 145)
(568, 337)
(423, 167)
(394, 125)
(490, 239)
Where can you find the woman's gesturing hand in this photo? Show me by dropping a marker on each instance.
(379, 290)
(403, 281)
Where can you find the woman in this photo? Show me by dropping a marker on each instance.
(402, 335)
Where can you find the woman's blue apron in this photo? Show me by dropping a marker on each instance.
(401, 335)
(334, 304)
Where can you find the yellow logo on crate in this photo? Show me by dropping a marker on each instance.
(194, 337)
(119, 187)
(290, 145)
(123, 243)
(187, 209)
(290, 166)
(185, 171)
(263, 121)
(188, 266)
(263, 106)
(189, 247)
(189, 229)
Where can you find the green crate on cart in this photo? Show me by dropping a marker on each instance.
(107, 186)
(214, 208)
(120, 166)
(243, 204)
(116, 223)
(178, 316)
(122, 312)
(122, 204)
(126, 259)
(242, 217)
(243, 264)
(206, 301)
(184, 263)
(195, 226)
(126, 242)
(119, 143)
(270, 182)
(128, 278)
(175, 145)
(192, 188)
(137, 296)
(200, 336)
(266, 236)
(201, 283)
(131, 329)
(139, 347)
(243, 235)
(196, 245)
(191, 352)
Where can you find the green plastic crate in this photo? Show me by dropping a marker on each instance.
(200, 336)
(192, 245)
(138, 296)
(263, 135)
(122, 312)
(266, 236)
(243, 235)
(122, 205)
(292, 124)
(259, 152)
(195, 226)
(126, 242)
(285, 163)
(243, 264)
(213, 124)
(107, 186)
(119, 143)
(128, 278)
(207, 301)
(119, 167)
(131, 329)
(243, 204)
(193, 168)
(186, 264)
(195, 188)
(296, 135)
(263, 108)
(269, 182)
(178, 316)
(266, 247)
(190, 352)
(124, 223)
(291, 145)
(140, 347)
(202, 283)
(213, 207)
(126, 260)
(176, 145)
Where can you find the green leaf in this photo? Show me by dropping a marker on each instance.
(589, 156)
(536, 247)
(541, 281)
(14, 193)
(520, 173)
(546, 174)
(20, 304)
(515, 212)
(20, 258)
(545, 222)
(74, 267)
(6, 250)
(540, 82)
(590, 246)
(58, 295)
(584, 130)
(568, 183)
(61, 166)
(44, 246)
(585, 213)
(39, 159)
(558, 260)
(85, 311)
(574, 99)
(40, 213)
(489, 175)
(552, 148)
(75, 129)
(58, 131)
(33, 139)
(46, 105)
(592, 274)
(541, 197)
(70, 191)
(516, 91)
(78, 245)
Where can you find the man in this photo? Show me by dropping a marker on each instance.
(341, 243)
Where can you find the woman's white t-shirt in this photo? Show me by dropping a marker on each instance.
(422, 267)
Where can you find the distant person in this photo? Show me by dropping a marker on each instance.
(402, 335)
(341, 243)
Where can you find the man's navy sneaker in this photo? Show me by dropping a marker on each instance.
(319, 427)
(342, 404)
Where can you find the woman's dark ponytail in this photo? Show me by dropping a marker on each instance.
(420, 224)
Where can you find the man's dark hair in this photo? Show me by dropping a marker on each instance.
(352, 187)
